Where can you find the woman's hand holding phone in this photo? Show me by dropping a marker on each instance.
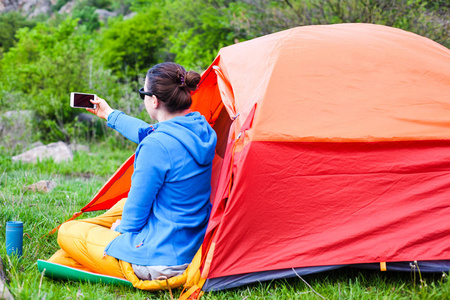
(102, 110)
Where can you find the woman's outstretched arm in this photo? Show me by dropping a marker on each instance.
(128, 126)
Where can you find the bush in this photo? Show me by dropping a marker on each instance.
(201, 30)
(87, 16)
(45, 66)
(59, 3)
(129, 47)
(187, 32)
(10, 22)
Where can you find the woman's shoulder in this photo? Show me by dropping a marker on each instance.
(160, 141)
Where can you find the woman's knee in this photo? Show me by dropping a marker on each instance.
(71, 233)
(65, 227)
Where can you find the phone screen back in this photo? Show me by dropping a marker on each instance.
(83, 100)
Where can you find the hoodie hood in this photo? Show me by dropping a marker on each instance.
(193, 132)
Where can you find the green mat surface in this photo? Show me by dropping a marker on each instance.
(57, 271)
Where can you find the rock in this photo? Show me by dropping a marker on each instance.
(104, 14)
(57, 151)
(8, 5)
(67, 8)
(44, 186)
(129, 16)
(79, 147)
(28, 6)
(36, 144)
(41, 8)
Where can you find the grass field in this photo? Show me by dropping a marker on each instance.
(79, 180)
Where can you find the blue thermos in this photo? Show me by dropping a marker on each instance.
(14, 238)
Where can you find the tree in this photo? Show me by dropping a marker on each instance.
(202, 28)
(129, 47)
(10, 22)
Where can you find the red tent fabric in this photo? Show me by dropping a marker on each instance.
(347, 157)
(333, 149)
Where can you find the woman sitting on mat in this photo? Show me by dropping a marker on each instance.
(161, 225)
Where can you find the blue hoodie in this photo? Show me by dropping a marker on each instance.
(165, 217)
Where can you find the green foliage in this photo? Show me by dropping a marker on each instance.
(187, 32)
(84, 10)
(438, 5)
(201, 30)
(87, 16)
(260, 17)
(253, 18)
(129, 47)
(48, 63)
(45, 66)
(140, 5)
(97, 3)
(123, 7)
(198, 30)
(105, 4)
(10, 22)
(59, 4)
(409, 15)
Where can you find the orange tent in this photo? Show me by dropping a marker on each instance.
(333, 149)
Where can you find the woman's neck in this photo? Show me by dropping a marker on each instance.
(165, 115)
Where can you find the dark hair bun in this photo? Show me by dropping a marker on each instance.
(172, 85)
(192, 80)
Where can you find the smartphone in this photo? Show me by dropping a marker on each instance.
(82, 100)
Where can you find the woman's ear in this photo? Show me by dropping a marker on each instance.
(155, 102)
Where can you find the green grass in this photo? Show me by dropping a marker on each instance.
(79, 180)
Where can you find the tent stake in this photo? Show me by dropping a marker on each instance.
(308, 285)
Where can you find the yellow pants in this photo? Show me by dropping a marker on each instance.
(83, 243)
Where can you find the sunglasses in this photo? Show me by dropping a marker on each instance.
(143, 94)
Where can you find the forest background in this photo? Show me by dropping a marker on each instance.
(44, 58)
